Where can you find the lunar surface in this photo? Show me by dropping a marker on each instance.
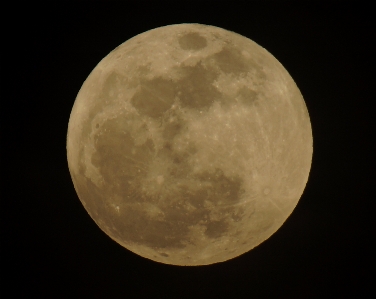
(189, 144)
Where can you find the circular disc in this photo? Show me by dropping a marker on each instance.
(189, 144)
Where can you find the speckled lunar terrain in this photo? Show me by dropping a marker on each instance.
(189, 144)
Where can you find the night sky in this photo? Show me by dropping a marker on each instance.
(51, 248)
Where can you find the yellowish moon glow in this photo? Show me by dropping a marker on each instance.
(189, 144)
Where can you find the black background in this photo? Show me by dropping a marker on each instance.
(52, 247)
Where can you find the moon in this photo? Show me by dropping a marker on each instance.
(189, 144)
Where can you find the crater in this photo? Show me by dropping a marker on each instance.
(192, 41)
(154, 97)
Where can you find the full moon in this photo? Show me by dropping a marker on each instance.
(189, 144)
